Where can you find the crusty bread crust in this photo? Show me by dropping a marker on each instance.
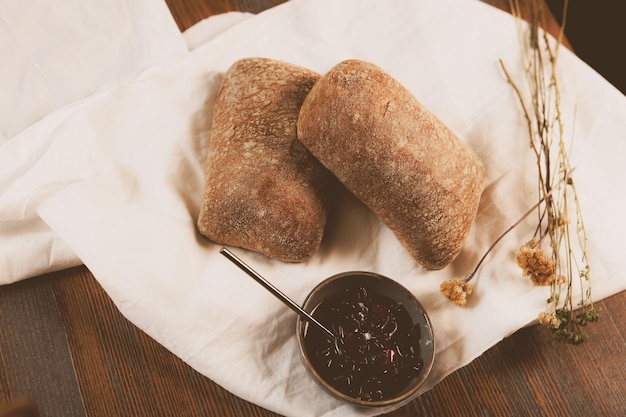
(263, 190)
(395, 156)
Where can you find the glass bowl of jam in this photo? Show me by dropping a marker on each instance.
(382, 347)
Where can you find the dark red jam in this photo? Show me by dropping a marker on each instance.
(375, 352)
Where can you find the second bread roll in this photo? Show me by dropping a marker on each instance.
(396, 157)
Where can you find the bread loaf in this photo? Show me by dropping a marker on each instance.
(263, 190)
(396, 157)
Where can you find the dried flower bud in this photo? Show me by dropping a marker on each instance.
(549, 320)
(535, 264)
(456, 290)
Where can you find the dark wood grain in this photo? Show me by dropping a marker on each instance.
(65, 347)
(36, 359)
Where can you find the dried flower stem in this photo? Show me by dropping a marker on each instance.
(469, 276)
(545, 127)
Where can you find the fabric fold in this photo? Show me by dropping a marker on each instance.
(29, 161)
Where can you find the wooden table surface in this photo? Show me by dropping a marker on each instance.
(67, 351)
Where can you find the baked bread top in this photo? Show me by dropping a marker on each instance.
(395, 156)
(263, 189)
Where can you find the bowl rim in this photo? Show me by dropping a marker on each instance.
(403, 398)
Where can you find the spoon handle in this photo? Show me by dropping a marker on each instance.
(271, 288)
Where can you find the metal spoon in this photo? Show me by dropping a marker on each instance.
(277, 293)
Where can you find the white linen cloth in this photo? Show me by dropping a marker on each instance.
(55, 53)
(129, 206)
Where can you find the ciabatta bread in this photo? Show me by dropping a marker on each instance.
(263, 190)
(395, 156)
